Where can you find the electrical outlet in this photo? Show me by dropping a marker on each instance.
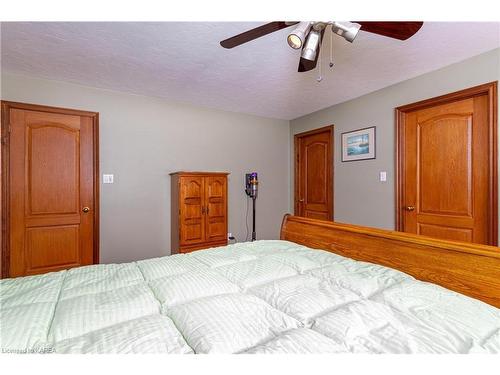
(383, 176)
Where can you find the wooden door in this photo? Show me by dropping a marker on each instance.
(446, 171)
(192, 196)
(52, 210)
(314, 174)
(216, 208)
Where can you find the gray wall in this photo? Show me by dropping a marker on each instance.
(359, 197)
(143, 139)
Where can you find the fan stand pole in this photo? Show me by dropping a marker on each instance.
(253, 220)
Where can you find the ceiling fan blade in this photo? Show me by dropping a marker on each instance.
(252, 34)
(306, 65)
(396, 30)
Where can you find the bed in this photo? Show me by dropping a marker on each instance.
(322, 288)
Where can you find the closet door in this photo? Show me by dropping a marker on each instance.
(192, 228)
(216, 208)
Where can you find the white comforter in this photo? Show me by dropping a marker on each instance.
(260, 297)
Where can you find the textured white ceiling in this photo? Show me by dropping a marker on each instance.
(183, 61)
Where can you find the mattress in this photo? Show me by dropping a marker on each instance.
(258, 297)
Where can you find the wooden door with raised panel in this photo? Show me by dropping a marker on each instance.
(314, 174)
(216, 208)
(446, 171)
(191, 213)
(52, 207)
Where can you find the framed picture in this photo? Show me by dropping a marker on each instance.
(358, 144)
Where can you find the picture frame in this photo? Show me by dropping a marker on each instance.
(359, 144)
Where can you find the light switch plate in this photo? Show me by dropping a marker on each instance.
(383, 176)
(107, 178)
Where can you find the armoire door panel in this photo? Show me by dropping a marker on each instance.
(51, 181)
(192, 209)
(215, 187)
(192, 188)
(191, 232)
(216, 229)
(216, 208)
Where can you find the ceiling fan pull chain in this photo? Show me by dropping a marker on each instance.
(331, 50)
(320, 77)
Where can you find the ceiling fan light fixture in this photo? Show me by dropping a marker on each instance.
(311, 46)
(347, 30)
(297, 37)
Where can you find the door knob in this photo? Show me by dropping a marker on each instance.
(85, 210)
(410, 208)
(301, 200)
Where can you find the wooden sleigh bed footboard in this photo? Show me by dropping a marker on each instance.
(470, 269)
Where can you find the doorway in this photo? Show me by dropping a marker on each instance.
(447, 166)
(50, 189)
(313, 196)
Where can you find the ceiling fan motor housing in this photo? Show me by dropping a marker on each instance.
(311, 47)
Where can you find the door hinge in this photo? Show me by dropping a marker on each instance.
(5, 138)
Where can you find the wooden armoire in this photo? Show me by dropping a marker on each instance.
(199, 210)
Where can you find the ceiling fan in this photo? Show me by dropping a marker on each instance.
(308, 35)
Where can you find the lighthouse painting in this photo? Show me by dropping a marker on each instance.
(358, 144)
